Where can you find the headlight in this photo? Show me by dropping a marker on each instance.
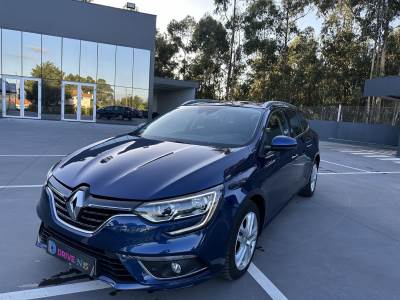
(203, 203)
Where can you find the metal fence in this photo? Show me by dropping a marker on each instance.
(354, 114)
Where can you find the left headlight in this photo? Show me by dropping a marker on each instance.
(203, 203)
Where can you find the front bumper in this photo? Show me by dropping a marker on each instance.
(124, 246)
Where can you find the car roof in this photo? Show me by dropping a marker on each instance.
(245, 104)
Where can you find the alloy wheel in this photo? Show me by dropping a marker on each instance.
(246, 241)
(314, 177)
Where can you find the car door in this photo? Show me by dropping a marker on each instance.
(309, 143)
(276, 170)
(300, 159)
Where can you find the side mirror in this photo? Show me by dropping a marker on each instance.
(283, 143)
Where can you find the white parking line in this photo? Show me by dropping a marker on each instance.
(352, 150)
(377, 156)
(340, 165)
(20, 186)
(360, 173)
(390, 159)
(265, 283)
(54, 291)
(367, 152)
(362, 153)
(32, 155)
(95, 285)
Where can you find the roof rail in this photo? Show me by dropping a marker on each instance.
(278, 104)
(190, 102)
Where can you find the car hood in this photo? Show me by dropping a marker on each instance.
(134, 168)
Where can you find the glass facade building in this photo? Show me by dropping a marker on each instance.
(54, 77)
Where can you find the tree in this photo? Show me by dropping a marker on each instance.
(180, 33)
(165, 64)
(230, 12)
(375, 20)
(290, 11)
(345, 57)
(393, 53)
(210, 46)
(260, 45)
(306, 66)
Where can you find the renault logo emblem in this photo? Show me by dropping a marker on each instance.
(75, 204)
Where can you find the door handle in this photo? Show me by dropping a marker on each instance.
(294, 156)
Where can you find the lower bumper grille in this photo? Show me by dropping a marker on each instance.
(107, 264)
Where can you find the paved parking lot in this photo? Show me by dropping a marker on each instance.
(344, 243)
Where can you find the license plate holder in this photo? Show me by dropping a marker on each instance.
(73, 257)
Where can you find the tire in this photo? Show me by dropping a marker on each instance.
(309, 189)
(232, 270)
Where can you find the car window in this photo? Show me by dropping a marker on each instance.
(295, 125)
(277, 125)
(225, 126)
(303, 121)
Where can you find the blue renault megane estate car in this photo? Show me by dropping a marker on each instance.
(180, 199)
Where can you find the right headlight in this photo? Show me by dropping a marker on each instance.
(201, 204)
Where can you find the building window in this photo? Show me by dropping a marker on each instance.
(11, 52)
(141, 70)
(1, 69)
(51, 57)
(70, 59)
(121, 73)
(123, 96)
(106, 64)
(105, 95)
(124, 66)
(88, 65)
(140, 99)
(51, 97)
(31, 54)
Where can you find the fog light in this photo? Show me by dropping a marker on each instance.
(172, 267)
(176, 268)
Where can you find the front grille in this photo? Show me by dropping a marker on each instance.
(89, 219)
(107, 264)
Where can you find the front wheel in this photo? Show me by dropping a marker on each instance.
(242, 242)
(309, 189)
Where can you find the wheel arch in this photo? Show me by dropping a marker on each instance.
(261, 204)
(317, 159)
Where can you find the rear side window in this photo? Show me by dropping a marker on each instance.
(303, 121)
(295, 125)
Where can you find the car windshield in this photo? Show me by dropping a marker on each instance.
(220, 126)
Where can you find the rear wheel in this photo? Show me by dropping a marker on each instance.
(309, 189)
(242, 242)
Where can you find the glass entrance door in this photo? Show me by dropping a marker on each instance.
(78, 101)
(21, 97)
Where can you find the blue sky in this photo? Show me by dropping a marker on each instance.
(178, 9)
